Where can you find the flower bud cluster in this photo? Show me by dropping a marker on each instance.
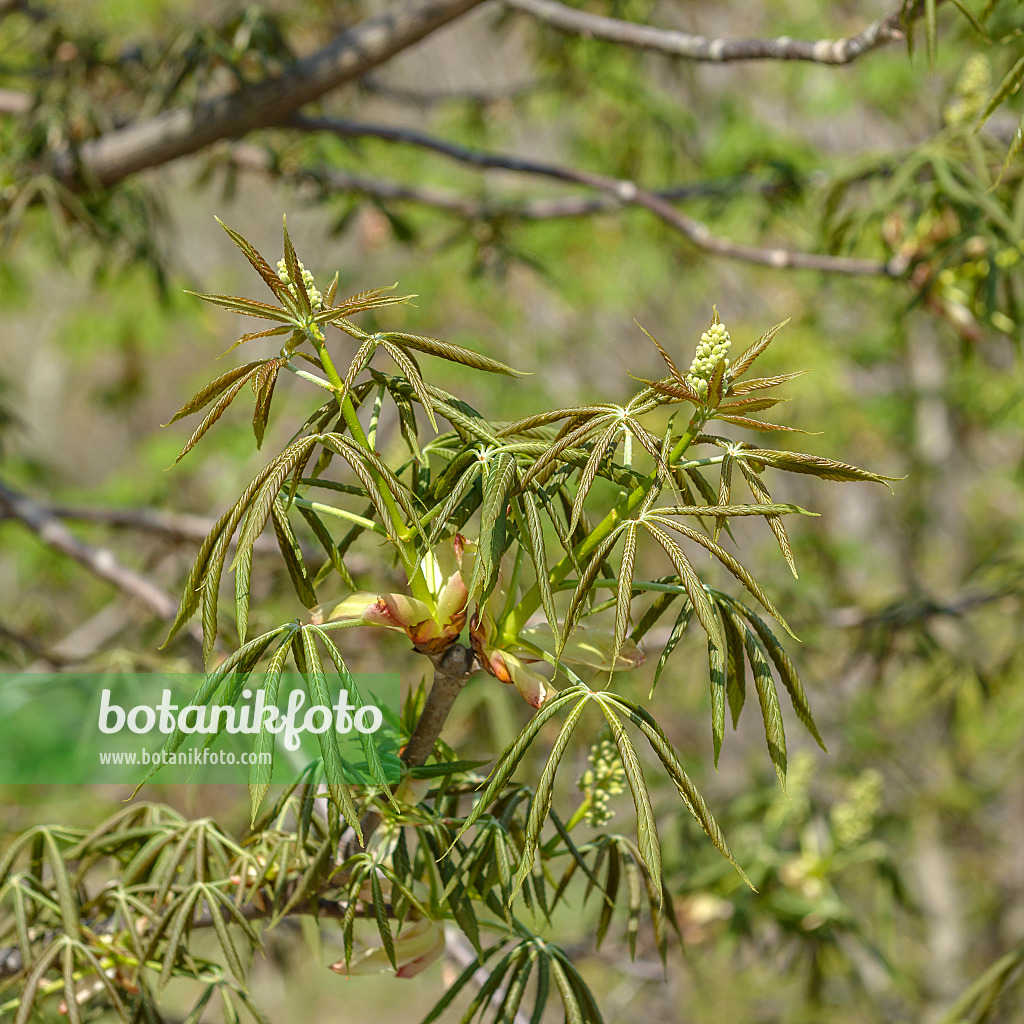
(604, 779)
(714, 343)
(315, 298)
(854, 818)
(972, 91)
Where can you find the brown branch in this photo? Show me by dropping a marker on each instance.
(451, 670)
(626, 192)
(106, 160)
(252, 158)
(701, 48)
(52, 532)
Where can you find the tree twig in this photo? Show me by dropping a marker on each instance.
(626, 192)
(52, 532)
(701, 48)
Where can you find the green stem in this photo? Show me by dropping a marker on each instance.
(623, 510)
(406, 546)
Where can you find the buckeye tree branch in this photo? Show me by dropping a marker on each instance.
(624, 191)
(701, 48)
(114, 156)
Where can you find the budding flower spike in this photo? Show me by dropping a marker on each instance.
(714, 343)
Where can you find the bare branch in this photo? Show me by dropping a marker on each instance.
(701, 48)
(625, 192)
(106, 160)
(451, 670)
(52, 532)
(13, 102)
(252, 158)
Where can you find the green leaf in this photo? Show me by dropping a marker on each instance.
(455, 353)
(589, 471)
(682, 621)
(243, 575)
(205, 395)
(334, 769)
(827, 469)
(380, 913)
(1007, 87)
(686, 789)
(731, 564)
(716, 671)
(694, 588)
(508, 760)
(646, 826)
(291, 554)
(261, 267)
(211, 417)
(499, 480)
(746, 359)
(533, 537)
(295, 271)
(786, 669)
(541, 802)
(769, 699)
(461, 982)
(736, 676)
(248, 307)
(624, 590)
(260, 774)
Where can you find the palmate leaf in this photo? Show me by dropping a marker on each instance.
(312, 670)
(240, 662)
(690, 581)
(260, 265)
(827, 469)
(291, 554)
(540, 805)
(762, 494)
(370, 752)
(205, 395)
(746, 359)
(453, 353)
(499, 481)
(730, 563)
(533, 539)
(211, 417)
(585, 585)
(260, 774)
(670, 760)
(736, 677)
(508, 760)
(774, 730)
(678, 628)
(783, 665)
(646, 826)
(717, 681)
(248, 307)
(263, 383)
(744, 387)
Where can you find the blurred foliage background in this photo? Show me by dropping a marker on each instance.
(890, 877)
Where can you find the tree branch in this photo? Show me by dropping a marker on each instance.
(701, 48)
(106, 160)
(52, 532)
(625, 192)
(252, 158)
(451, 670)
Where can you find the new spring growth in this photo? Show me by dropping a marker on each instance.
(714, 343)
(315, 298)
(603, 779)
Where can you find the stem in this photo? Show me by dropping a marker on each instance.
(623, 510)
(451, 670)
(406, 547)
